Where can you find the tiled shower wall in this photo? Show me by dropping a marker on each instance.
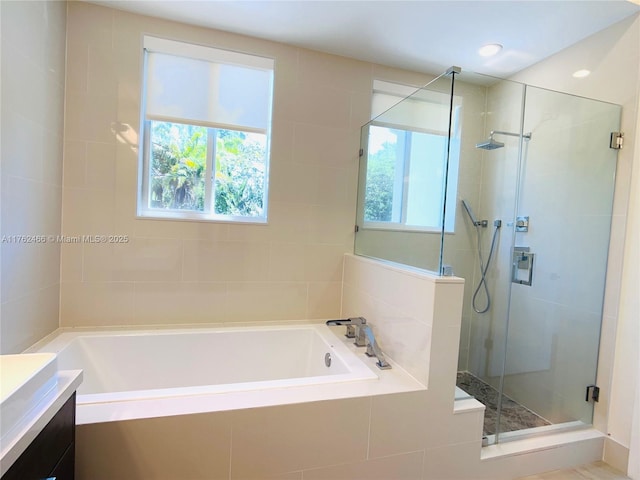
(190, 272)
(33, 66)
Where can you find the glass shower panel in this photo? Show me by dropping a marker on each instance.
(479, 250)
(403, 180)
(566, 196)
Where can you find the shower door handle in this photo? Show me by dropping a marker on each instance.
(522, 266)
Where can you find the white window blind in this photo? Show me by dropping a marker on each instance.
(207, 86)
(422, 110)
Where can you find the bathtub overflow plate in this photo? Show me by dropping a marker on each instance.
(327, 359)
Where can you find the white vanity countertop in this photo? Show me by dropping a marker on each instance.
(32, 390)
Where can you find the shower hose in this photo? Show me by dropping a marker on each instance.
(484, 269)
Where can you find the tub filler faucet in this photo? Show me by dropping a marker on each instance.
(362, 334)
(354, 329)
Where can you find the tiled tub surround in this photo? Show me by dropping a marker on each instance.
(393, 427)
(417, 317)
(384, 427)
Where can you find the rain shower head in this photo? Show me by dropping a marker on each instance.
(490, 144)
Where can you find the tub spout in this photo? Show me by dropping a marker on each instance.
(373, 350)
(354, 329)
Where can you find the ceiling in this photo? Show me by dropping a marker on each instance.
(421, 35)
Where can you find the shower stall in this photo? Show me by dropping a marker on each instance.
(511, 187)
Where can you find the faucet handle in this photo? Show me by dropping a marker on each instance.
(354, 328)
(357, 320)
(373, 350)
(348, 321)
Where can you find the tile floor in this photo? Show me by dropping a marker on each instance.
(593, 471)
(514, 416)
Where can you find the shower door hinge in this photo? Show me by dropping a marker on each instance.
(593, 393)
(361, 152)
(617, 139)
(356, 229)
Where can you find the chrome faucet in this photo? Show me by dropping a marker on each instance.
(354, 329)
(358, 329)
(373, 350)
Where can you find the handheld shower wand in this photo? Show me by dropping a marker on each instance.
(484, 268)
(474, 220)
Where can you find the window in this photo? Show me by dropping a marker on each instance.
(207, 120)
(406, 170)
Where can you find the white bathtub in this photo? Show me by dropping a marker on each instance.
(159, 372)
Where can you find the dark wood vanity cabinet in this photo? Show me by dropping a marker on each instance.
(52, 453)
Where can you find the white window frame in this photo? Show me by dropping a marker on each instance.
(214, 55)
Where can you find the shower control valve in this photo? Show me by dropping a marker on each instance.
(522, 224)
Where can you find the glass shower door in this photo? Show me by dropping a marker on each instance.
(558, 260)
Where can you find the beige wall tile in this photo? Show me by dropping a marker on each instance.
(293, 182)
(321, 69)
(174, 303)
(331, 224)
(257, 301)
(319, 105)
(188, 446)
(407, 466)
(96, 304)
(324, 262)
(101, 165)
(90, 117)
(312, 202)
(33, 44)
(75, 164)
(87, 211)
(248, 233)
(295, 437)
(137, 259)
(403, 307)
(326, 146)
(453, 462)
(286, 476)
(27, 319)
(151, 228)
(21, 148)
(27, 76)
(21, 264)
(71, 262)
(225, 261)
(399, 424)
(290, 222)
(287, 261)
(324, 300)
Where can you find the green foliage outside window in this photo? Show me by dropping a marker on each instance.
(379, 189)
(179, 165)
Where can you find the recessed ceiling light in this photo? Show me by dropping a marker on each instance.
(490, 50)
(581, 73)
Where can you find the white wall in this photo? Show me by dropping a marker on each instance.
(613, 56)
(32, 108)
(626, 368)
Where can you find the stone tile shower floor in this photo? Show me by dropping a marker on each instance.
(514, 416)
